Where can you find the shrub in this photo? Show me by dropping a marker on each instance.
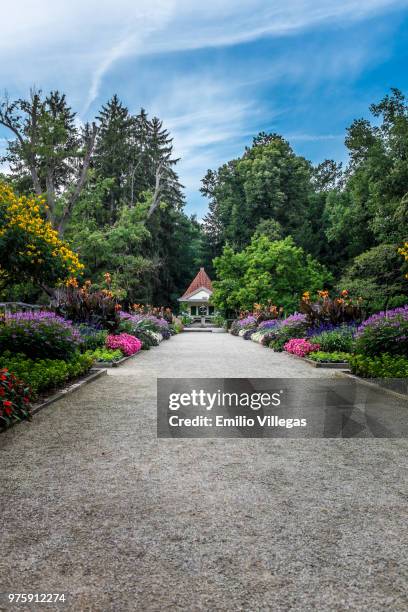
(219, 321)
(14, 399)
(30, 249)
(129, 345)
(334, 357)
(339, 339)
(384, 332)
(104, 354)
(92, 338)
(300, 347)
(44, 374)
(247, 322)
(39, 334)
(382, 366)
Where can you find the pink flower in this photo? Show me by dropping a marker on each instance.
(129, 345)
(300, 347)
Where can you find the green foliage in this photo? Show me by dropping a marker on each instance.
(42, 375)
(381, 366)
(92, 338)
(329, 357)
(266, 271)
(377, 275)
(336, 340)
(269, 182)
(105, 354)
(384, 337)
(219, 321)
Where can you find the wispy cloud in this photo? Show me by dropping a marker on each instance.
(212, 107)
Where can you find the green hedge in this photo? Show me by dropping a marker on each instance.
(105, 354)
(381, 366)
(45, 374)
(329, 357)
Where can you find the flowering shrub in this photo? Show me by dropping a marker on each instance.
(294, 326)
(404, 252)
(14, 399)
(129, 345)
(246, 322)
(29, 247)
(300, 347)
(384, 332)
(341, 309)
(39, 334)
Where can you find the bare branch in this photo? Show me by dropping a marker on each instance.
(66, 213)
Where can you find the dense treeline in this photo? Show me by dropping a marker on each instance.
(351, 220)
(111, 190)
(113, 193)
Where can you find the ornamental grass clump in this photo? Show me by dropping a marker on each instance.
(15, 398)
(300, 347)
(129, 345)
(39, 334)
(384, 332)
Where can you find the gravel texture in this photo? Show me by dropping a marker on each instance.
(95, 506)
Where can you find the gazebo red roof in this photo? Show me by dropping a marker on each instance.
(201, 280)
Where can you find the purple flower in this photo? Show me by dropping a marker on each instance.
(392, 318)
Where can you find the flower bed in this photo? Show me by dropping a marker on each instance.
(330, 330)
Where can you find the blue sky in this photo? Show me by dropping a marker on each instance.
(216, 74)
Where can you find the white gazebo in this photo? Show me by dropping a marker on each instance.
(197, 297)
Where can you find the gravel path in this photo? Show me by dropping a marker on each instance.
(95, 506)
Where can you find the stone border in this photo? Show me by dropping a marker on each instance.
(93, 375)
(376, 386)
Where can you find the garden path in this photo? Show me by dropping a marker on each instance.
(95, 506)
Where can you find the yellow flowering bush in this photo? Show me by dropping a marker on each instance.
(30, 249)
(404, 252)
